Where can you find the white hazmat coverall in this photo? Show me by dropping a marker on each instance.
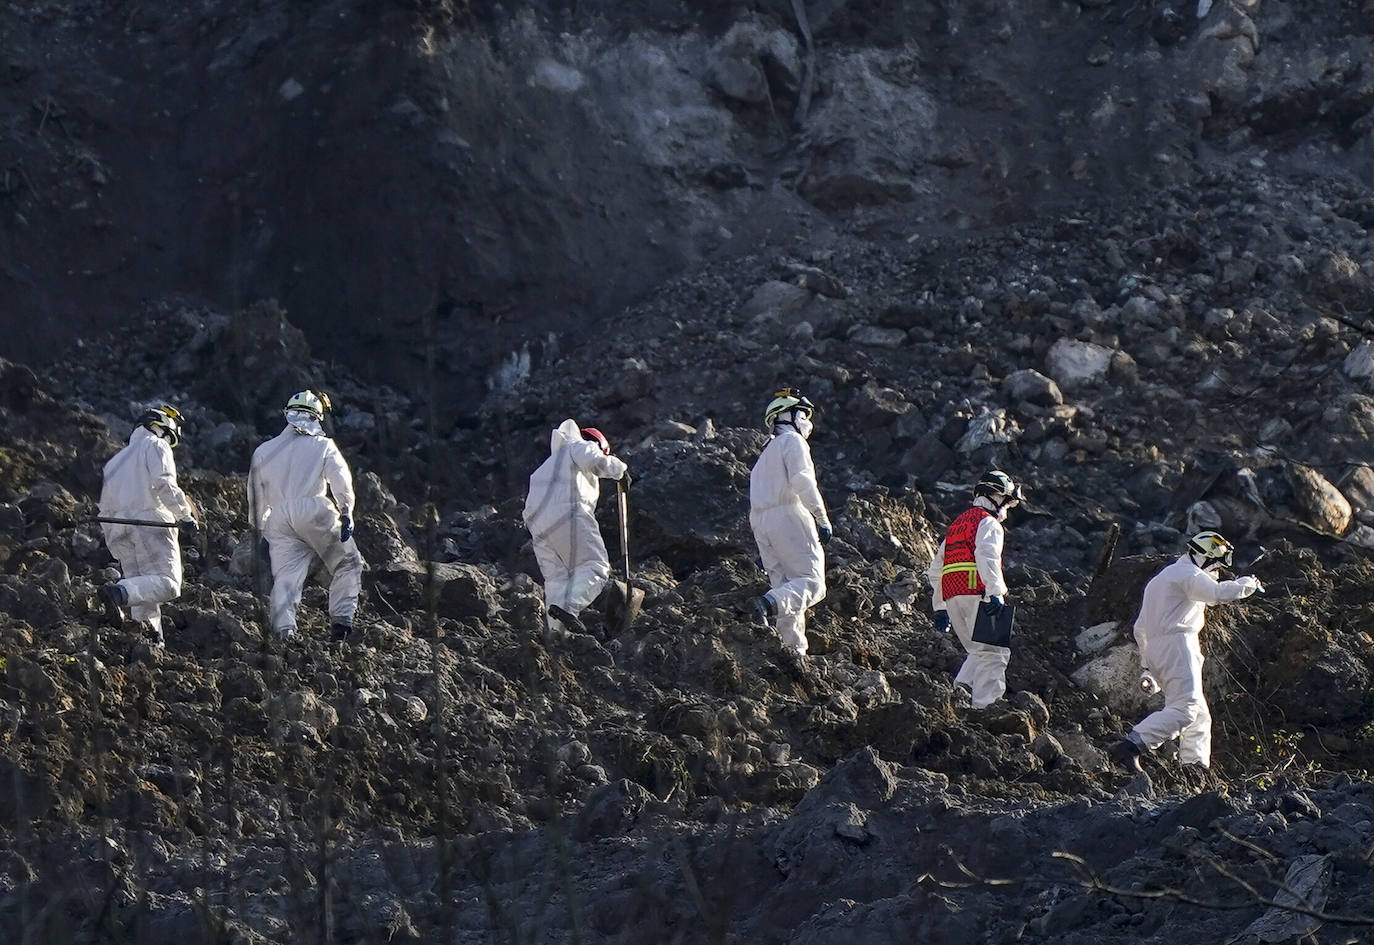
(785, 507)
(984, 670)
(290, 485)
(141, 482)
(560, 513)
(1171, 616)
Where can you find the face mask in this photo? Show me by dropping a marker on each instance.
(304, 422)
(803, 425)
(1210, 568)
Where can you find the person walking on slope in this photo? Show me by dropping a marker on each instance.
(300, 498)
(140, 482)
(1171, 617)
(789, 520)
(560, 512)
(967, 569)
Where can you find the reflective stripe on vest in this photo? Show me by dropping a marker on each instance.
(959, 575)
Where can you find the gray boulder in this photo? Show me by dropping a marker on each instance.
(774, 301)
(884, 527)
(1030, 386)
(465, 590)
(878, 406)
(753, 64)
(610, 810)
(1320, 503)
(1339, 278)
(876, 337)
(257, 342)
(665, 513)
(1077, 363)
(1358, 488)
(928, 460)
(868, 137)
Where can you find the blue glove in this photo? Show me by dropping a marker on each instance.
(825, 533)
(994, 606)
(188, 527)
(345, 528)
(265, 553)
(942, 621)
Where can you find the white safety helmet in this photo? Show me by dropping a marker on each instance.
(785, 400)
(998, 487)
(165, 421)
(1209, 550)
(312, 402)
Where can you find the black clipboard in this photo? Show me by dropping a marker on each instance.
(995, 631)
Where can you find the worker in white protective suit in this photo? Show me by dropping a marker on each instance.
(300, 499)
(1171, 617)
(560, 512)
(966, 571)
(140, 483)
(789, 519)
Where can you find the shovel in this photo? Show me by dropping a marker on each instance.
(137, 521)
(623, 601)
(203, 536)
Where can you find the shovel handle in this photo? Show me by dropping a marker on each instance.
(622, 506)
(137, 521)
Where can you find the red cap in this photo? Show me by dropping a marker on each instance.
(597, 437)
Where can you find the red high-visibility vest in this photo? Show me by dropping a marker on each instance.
(960, 574)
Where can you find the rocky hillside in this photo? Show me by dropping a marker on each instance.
(474, 175)
(1153, 339)
(448, 768)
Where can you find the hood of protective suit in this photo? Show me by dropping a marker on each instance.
(983, 502)
(566, 432)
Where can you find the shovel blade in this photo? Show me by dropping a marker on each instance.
(623, 603)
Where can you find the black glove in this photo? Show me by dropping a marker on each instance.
(825, 533)
(626, 479)
(994, 606)
(189, 527)
(345, 528)
(942, 621)
(265, 553)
